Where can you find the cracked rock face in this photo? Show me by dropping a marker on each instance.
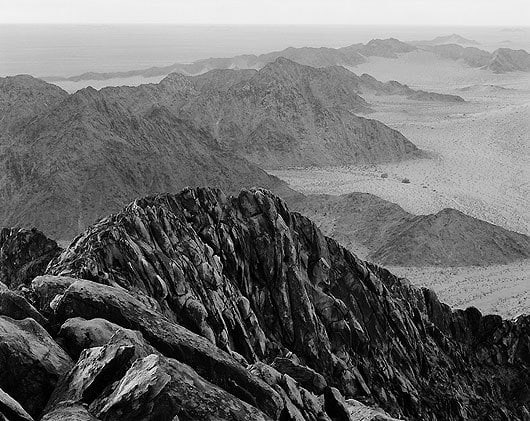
(24, 254)
(31, 363)
(203, 306)
(261, 283)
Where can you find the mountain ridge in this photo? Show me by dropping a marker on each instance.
(88, 156)
(392, 236)
(349, 56)
(199, 295)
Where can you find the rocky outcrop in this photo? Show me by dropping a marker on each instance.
(24, 254)
(10, 409)
(217, 283)
(31, 363)
(70, 412)
(15, 306)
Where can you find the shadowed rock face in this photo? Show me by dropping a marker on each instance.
(24, 254)
(215, 281)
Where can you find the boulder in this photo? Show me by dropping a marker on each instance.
(156, 388)
(95, 370)
(46, 288)
(307, 377)
(77, 334)
(31, 363)
(89, 300)
(10, 409)
(69, 412)
(15, 306)
(335, 405)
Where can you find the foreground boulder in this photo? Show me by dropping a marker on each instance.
(156, 387)
(89, 299)
(15, 306)
(77, 334)
(217, 282)
(10, 409)
(69, 412)
(31, 363)
(128, 379)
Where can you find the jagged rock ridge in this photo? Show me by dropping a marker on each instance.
(395, 237)
(264, 285)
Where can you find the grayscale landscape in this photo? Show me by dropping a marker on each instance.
(294, 212)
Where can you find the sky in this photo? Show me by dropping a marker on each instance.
(382, 12)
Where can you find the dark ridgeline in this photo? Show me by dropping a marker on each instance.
(200, 305)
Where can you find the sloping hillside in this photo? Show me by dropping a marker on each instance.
(285, 114)
(391, 236)
(88, 156)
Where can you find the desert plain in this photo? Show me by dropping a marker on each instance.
(477, 161)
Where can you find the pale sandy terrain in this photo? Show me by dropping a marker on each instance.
(480, 158)
(502, 289)
(480, 165)
(425, 70)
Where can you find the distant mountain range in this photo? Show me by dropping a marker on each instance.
(446, 39)
(66, 160)
(391, 236)
(451, 47)
(79, 157)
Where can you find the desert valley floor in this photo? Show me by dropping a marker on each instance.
(479, 164)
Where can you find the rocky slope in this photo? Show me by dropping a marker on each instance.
(391, 236)
(508, 60)
(202, 306)
(285, 114)
(88, 156)
(22, 97)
